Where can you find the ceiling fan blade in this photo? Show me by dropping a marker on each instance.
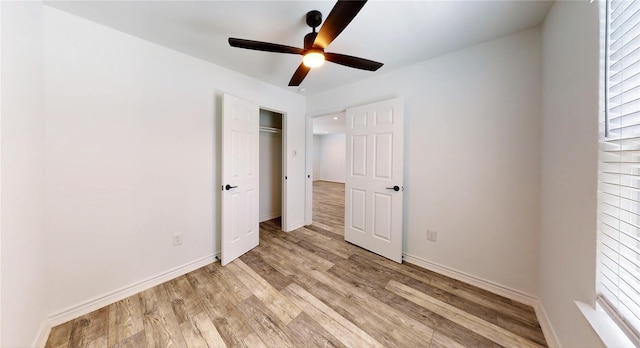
(354, 62)
(299, 75)
(264, 46)
(340, 16)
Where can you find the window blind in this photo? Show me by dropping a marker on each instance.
(619, 168)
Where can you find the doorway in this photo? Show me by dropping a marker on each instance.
(328, 161)
(271, 167)
(374, 190)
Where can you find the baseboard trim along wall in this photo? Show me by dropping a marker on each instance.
(89, 306)
(512, 294)
(42, 335)
(545, 324)
(269, 216)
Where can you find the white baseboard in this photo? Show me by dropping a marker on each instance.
(548, 331)
(488, 285)
(89, 306)
(42, 335)
(269, 217)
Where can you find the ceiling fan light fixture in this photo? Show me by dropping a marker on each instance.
(313, 59)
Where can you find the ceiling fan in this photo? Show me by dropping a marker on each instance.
(315, 43)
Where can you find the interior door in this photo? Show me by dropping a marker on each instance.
(373, 190)
(240, 164)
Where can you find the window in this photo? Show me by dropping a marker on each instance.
(619, 169)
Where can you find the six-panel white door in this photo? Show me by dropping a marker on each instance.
(240, 164)
(374, 178)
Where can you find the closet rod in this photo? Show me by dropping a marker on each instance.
(270, 130)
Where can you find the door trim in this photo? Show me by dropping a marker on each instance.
(308, 200)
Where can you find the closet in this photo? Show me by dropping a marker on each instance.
(270, 165)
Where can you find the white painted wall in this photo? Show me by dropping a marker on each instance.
(331, 157)
(317, 151)
(24, 291)
(569, 168)
(270, 175)
(472, 155)
(132, 157)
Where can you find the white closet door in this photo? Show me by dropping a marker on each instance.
(240, 179)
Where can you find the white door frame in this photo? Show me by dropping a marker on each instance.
(308, 202)
(283, 135)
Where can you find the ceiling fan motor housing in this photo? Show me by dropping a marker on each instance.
(314, 18)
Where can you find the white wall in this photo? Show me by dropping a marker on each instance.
(23, 302)
(331, 159)
(132, 157)
(270, 175)
(472, 156)
(569, 168)
(316, 154)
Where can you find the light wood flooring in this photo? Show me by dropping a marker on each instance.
(307, 288)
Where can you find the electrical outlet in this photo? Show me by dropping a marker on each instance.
(432, 235)
(177, 239)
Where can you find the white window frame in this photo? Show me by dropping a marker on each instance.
(618, 267)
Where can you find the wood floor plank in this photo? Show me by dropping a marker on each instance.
(272, 275)
(338, 247)
(137, 340)
(370, 313)
(441, 341)
(184, 302)
(361, 279)
(304, 329)
(294, 250)
(491, 331)
(284, 310)
(531, 332)
(59, 336)
(232, 286)
(265, 324)
(199, 331)
(125, 319)
(321, 251)
(91, 330)
(288, 266)
(361, 268)
(348, 333)
(160, 323)
(335, 232)
(251, 341)
(222, 311)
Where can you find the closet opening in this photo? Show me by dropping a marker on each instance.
(271, 168)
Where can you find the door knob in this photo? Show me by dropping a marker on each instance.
(229, 187)
(395, 188)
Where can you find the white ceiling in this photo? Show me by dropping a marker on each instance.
(396, 33)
